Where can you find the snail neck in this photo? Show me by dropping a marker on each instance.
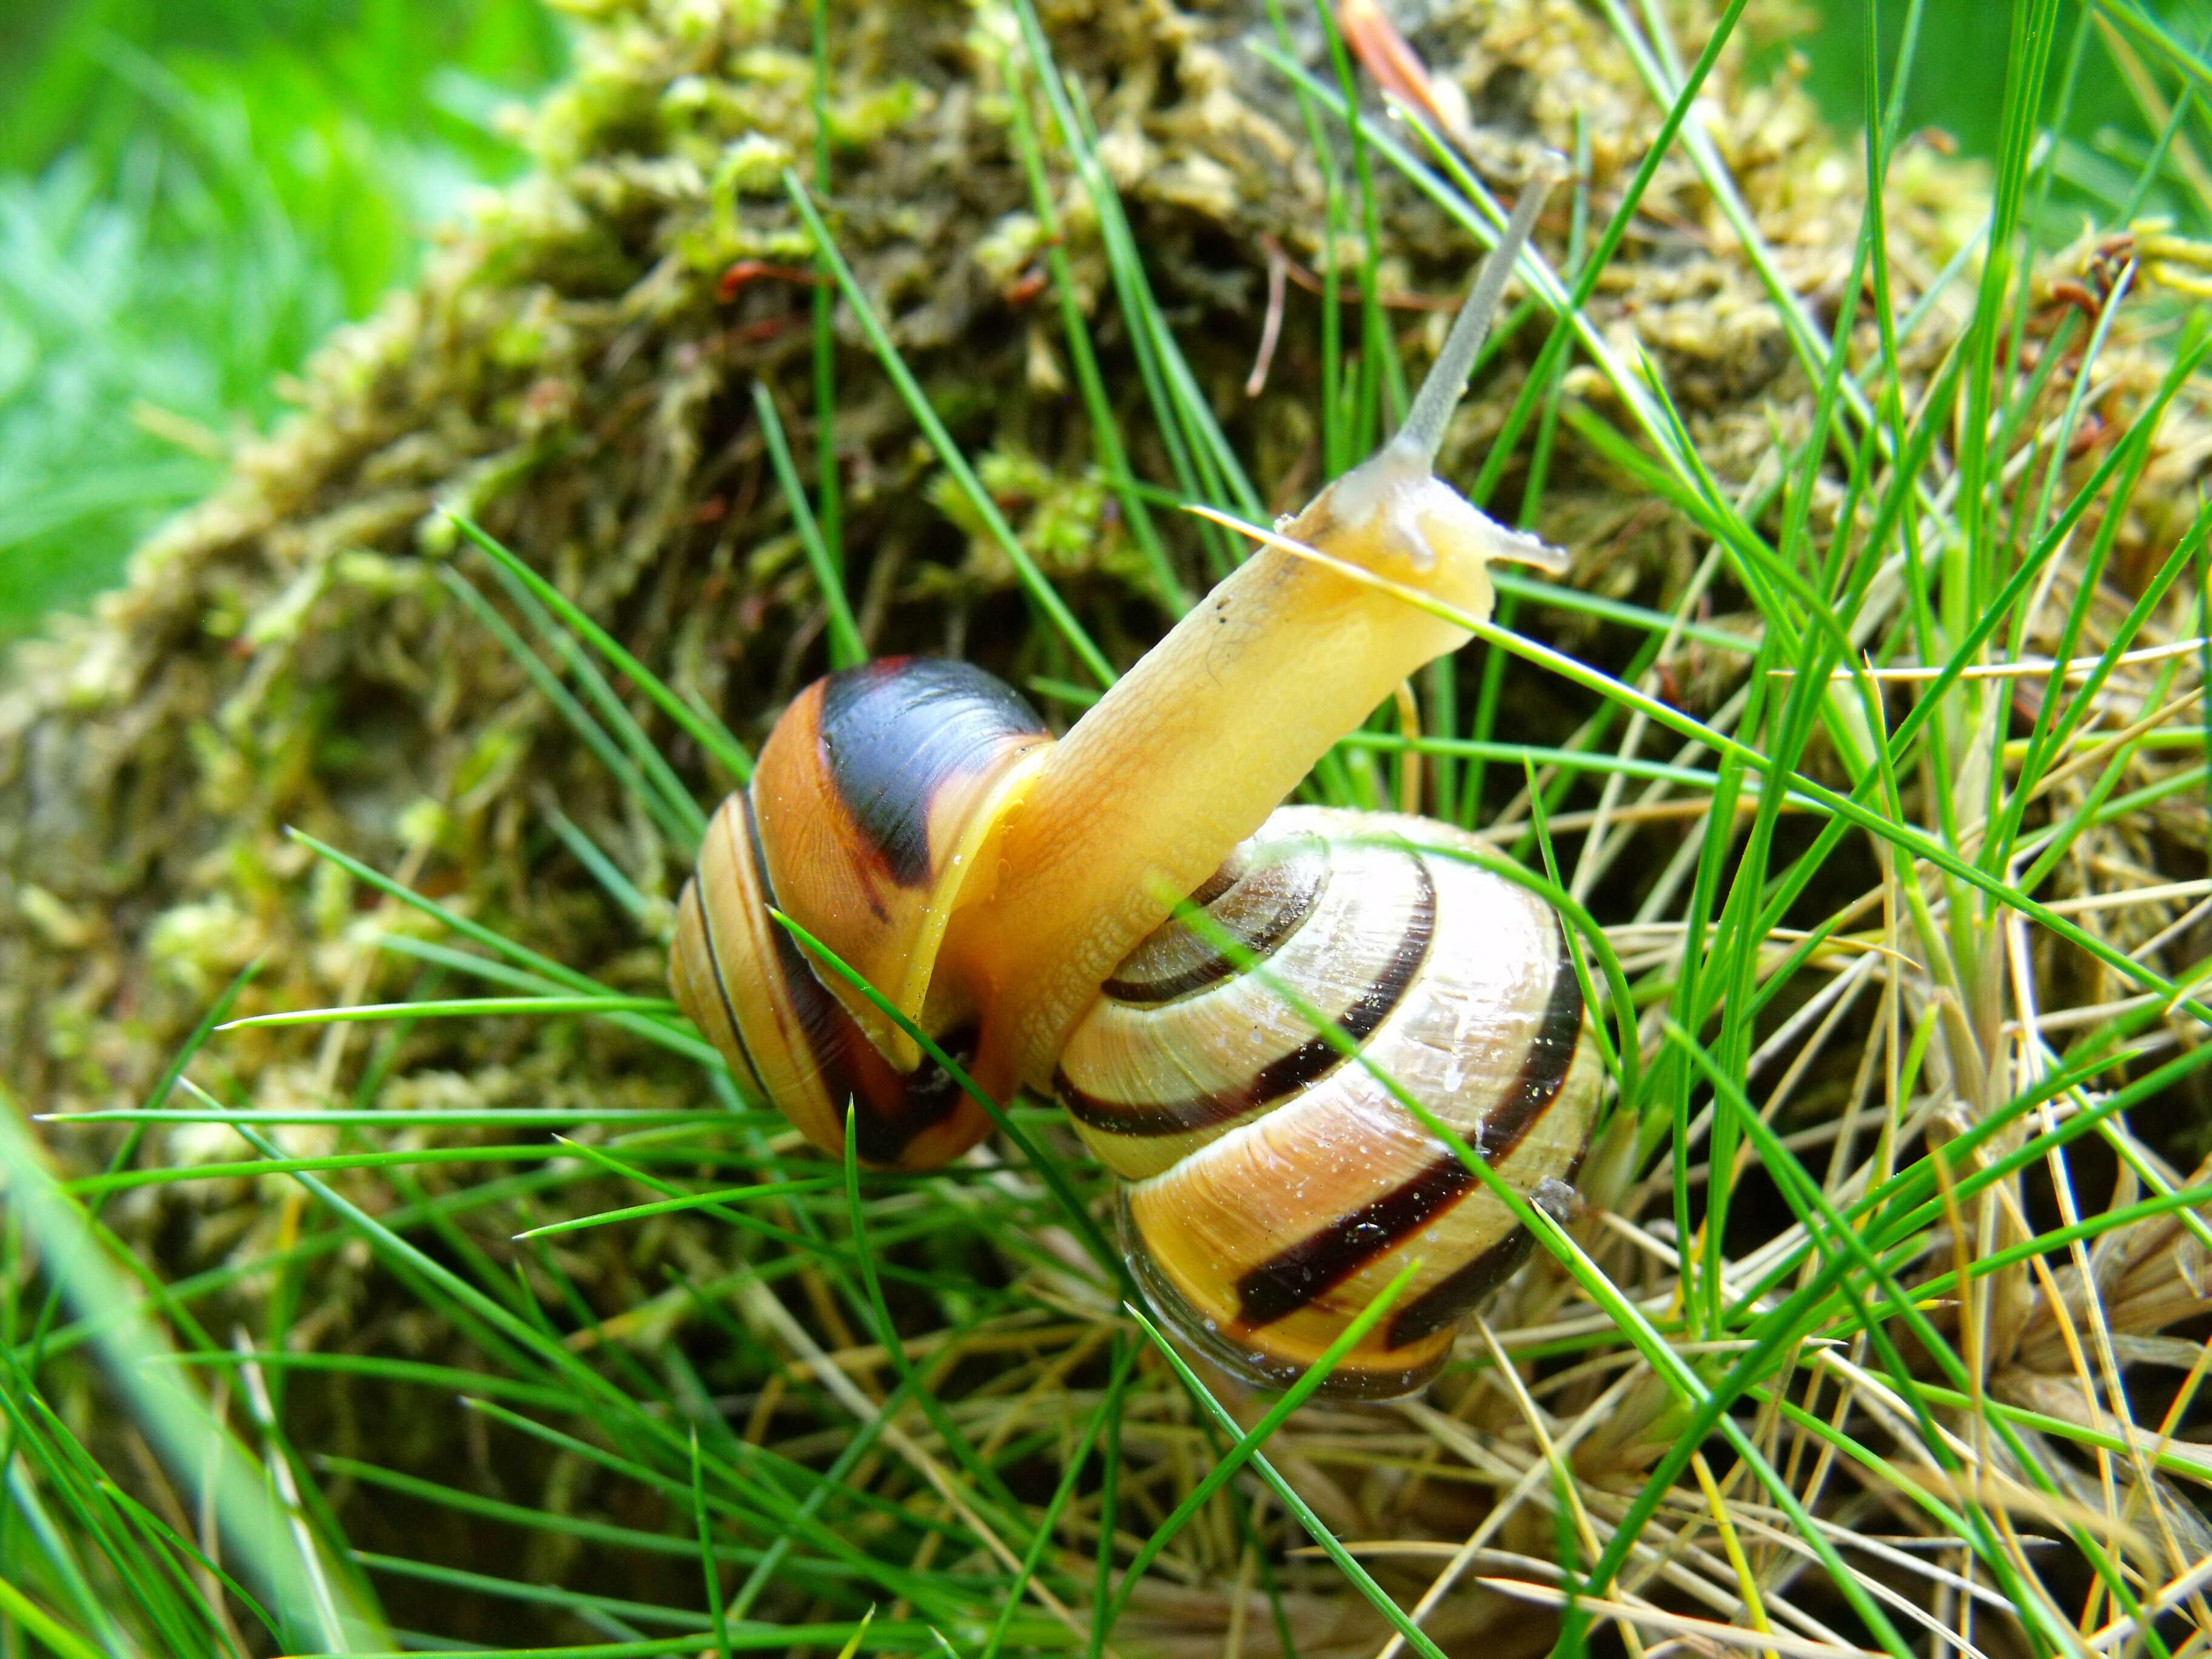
(1192, 750)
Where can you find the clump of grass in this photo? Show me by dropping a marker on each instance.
(1885, 876)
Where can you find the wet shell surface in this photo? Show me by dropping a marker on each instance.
(1275, 1185)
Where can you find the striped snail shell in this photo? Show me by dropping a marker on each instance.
(1013, 896)
(862, 820)
(1272, 1187)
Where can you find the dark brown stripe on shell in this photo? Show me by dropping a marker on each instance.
(722, 985)
(1451, 1299)
(1544, 1068)
(1292, 1278)
(893, 1107)
(820, 1015)
(1218, 883)
(1246, 1353)
(1259, 910)
(1456, 1295)
(1308, 1063)
(897, 733)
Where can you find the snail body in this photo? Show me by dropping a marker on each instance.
(1013, 897)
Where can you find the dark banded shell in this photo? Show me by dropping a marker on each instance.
(745, 983)
(872, 795)
(1274, 1186)
(871, 803)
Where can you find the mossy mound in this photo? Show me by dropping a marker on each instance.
(576, 373)
(576, 370)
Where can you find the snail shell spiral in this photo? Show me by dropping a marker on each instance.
(863, 819)
(1273, 1186)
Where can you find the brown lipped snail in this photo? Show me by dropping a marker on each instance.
(1013, 896)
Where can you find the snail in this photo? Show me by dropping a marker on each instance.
(1014, 896)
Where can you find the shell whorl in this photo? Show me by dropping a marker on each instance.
(864, 820)
(746, 984)
(872, 797)
(1274, 1186)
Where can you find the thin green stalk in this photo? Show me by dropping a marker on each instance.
(1040, 592)
(845, 647)
(709, 734)
(276, 1552)
(1105, 425)
(825, 330)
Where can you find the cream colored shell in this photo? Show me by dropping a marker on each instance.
(1275, 1186)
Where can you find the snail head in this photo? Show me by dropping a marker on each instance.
(1391, 514)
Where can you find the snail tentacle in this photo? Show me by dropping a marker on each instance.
(1423, 433)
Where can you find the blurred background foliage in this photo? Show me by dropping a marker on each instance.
(194, 192)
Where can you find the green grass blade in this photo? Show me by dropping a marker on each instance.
(175, 1420)
(845, 647)
(1033, 581)
(710, 735)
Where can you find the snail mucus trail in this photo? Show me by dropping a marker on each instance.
(1013, 895)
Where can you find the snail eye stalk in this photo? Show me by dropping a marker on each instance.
(1423, 433)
